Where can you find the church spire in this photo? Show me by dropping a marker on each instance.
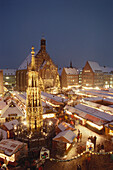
(33, 59)
(71, 64)
(43, 44)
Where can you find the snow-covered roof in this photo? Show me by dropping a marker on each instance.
(50, 96)
(43, 64)
(93, 99)
(75, 110)
(106, 69)
(99, 93)
(63, 126)
(71, 71)
(3, 133)
(95, 112)
(2, 104)
(10, 125)
(95, 66)
(12, 111)
(10, 146)
(68, 134)
(9, 72)
(99, 106)
(27, 60)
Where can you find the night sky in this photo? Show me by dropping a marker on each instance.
(76, 30)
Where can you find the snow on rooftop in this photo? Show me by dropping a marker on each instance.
(12, 111)
(95, 112)
(43, 64)
(2, 105)
(95, 66)
(106, 69)
(9, 72)
(63, 126)
(3, 133)
(99, 106)
(93, 99)
(10, 125)
(68, 134)
(27, 60)
(71, 71)
(56, 98)
(9, 146)
(75, 110)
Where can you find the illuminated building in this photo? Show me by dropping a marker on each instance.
(9, 78)
(33, 103)
(92, 75)
(48, 71)
(69, 77)
(1, 82)
(108, 76)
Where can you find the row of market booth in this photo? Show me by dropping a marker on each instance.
(94, 119)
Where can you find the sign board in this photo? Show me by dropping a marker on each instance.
(44, 153)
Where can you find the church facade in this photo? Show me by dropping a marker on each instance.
(48, 71)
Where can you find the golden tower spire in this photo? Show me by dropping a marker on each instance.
(33, 68)
(34, 108)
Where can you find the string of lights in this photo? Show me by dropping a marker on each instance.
(79, 155)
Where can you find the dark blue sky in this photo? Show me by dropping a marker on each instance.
(76, 30)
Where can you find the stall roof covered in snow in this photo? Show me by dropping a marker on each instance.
(63, 126)
(95, 112)
(99, 93)
(99, 106)
(2, 104)
(10, 146)
(12, 111)
(68, 135)
(89, 113)
(93, 99)
(3, 133)
(71, 71)
(75, 110)
(50, 96)
(10, 125)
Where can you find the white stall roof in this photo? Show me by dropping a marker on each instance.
(9, 146)
(63, 126)
(12, 111)
(10, 125)
(68, 134)
(2, 104)
(94, 112)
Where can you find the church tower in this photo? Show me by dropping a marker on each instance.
(33, 103)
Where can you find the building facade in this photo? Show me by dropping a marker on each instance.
(9, 78)
(69, 77)
(92, 75)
